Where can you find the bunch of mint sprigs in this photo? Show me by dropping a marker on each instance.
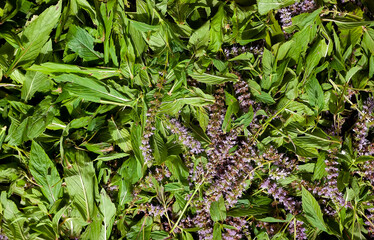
(185, 119)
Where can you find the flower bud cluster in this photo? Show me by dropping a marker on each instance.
(330, 188)
(153, 210)
(283, 166)
(361, 129)
(145, 146)
(225, 173)
(370, 216)
(256, 48)
(285, 14)
(149, 128)
(238, 224)
(234, 51)
(243, 94)
(196, 168)
(282, 196)
(185, 137)
(327, 188)
(161, 172)
(270, 228)
(363, 145)
(3, 237)
(283, 169)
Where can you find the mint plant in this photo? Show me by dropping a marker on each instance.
(156, 119)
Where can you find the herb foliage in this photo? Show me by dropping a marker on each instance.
(187, 119)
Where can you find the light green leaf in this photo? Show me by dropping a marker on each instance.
(368, 39)
(80, 122)
(347, 23)
(95, 230)
(13, 219)
(110, 157)
(299, 108)
(202, 116)
(213, 79)
(81, 42)
(246, 56)
(120, 137)
(81, 182)
(10, 37)
(32, 126)
(249, 211)
(45, 173)
(318, 139)
(35, 36)
(264, 6)
(125, 192)
(218, 210)
(160, 151)
(177, 167)
(259, 94)
(43, 116)
(84, 4)
(92, 90)
(284, 49)
(217, 231)
(233, 108)
(351, 73)
(264, 97)
(157, 42)
(57, 217)
(267, 66)
(34, 82)
(141, 230)
(173, 103)
(371, 66)
(306, 19)
(17, 133)
(9, 172)
(200, 39)
(302, 38)
(143, 27)
(2, 135)
(99, 73)
(159, 235)
(292, 88)
(315, 93)
(318, 51)
(108, 210)
(276, 220)
(313, 210)
(216, 29)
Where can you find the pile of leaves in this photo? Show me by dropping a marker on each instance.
(187, 119)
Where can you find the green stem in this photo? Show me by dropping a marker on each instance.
(263, 128)
(185, 207)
